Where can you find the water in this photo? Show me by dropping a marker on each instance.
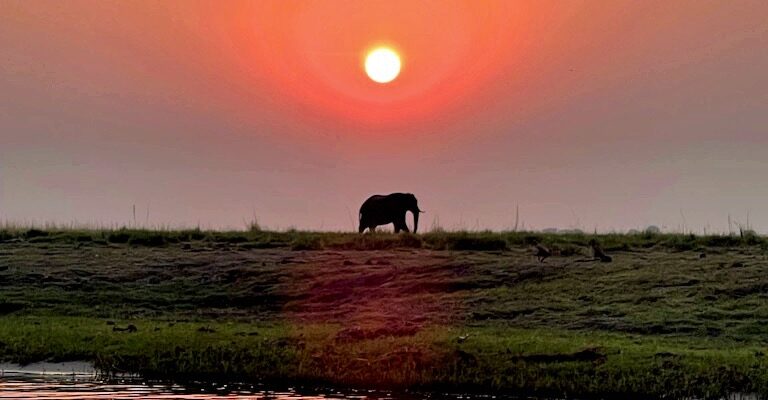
(69, 381)
(65, 389)
(53, 389)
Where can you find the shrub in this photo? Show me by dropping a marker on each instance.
(750, 237)
(32, 233)
(379, 241)
(481, 243)
(410, 240)
(232, 238)
(83, 238)
(306, 243)
(253, 226)
(652, 230)
(150, 239)
(118, 237)
(721, 241)
(6, 235)
(191, 234)
(682, 242)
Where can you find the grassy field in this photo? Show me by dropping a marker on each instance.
(671, 316)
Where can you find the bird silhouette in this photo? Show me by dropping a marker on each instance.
(542, 252)
(598, 252)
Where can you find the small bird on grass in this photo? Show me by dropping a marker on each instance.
(542, 252)
(598, 252)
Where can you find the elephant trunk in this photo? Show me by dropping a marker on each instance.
(416, 220)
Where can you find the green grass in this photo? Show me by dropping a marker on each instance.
(541, 362)
(439, 240)
(388, 310)
(157, 349)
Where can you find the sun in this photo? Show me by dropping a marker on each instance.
(382, 65)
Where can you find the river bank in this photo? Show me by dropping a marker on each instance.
(670, 316)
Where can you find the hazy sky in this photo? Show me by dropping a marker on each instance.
(589, 114)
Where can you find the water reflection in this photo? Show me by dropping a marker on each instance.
(48, 388)
(56, 385)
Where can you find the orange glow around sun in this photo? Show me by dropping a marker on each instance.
(343, 59)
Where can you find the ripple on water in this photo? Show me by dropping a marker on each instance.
(65, 381)
(94, 390)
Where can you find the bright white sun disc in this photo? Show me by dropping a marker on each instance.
(382, 65)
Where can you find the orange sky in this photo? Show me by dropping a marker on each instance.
(312, 53)
(588, 114)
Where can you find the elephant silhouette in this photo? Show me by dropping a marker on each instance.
(389, 209)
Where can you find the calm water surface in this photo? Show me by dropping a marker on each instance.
(67, 381)
(61, 389)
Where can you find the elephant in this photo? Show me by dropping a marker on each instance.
(386, 209)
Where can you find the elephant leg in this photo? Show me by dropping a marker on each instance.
(401, 226)
(372, 228)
